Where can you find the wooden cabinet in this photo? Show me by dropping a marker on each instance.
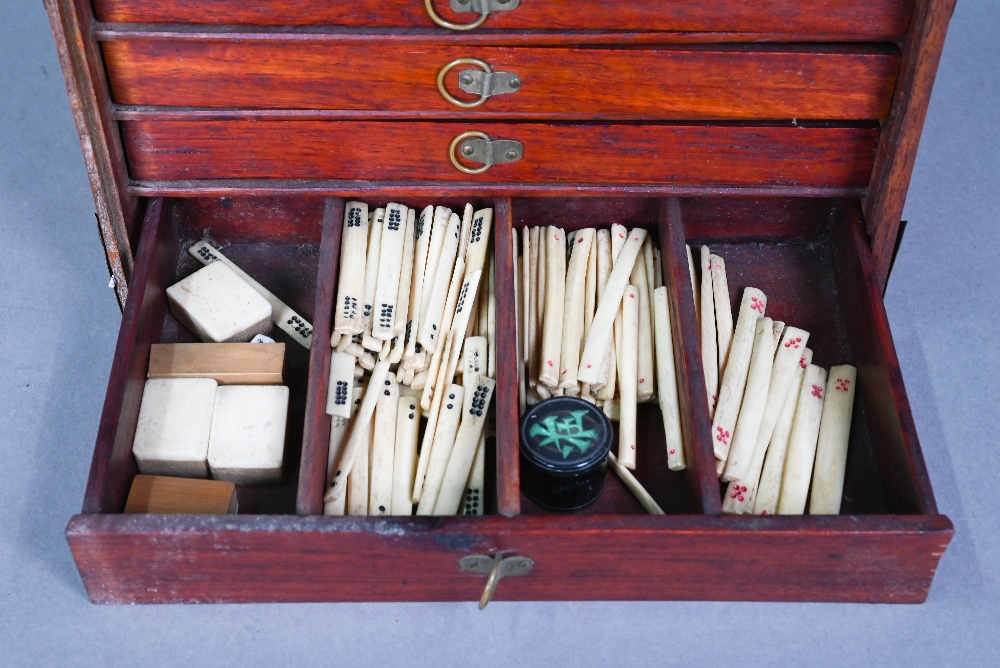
(781, 134)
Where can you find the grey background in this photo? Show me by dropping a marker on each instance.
(59, 320)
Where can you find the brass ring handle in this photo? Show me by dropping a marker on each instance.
(484, 66)
(453, 26)
(491, 583)
(454, 145)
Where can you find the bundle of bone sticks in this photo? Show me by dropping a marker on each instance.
(779, 422)
(414, 309)
(594, 322)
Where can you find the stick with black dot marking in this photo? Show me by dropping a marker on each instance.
(351, 285)
(459, 464)
(339, 430)
(404, 462)
(383, 448)
(338, 400)
(444, 440)
(433, 414)
(390, 266)
(357, 479)
(431, 327)
(475, 498)
(418, 281)
(376, 220)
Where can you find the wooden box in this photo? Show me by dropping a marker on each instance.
(781, 133)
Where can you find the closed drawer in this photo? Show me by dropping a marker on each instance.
(867, 20)
(391, 78)
(810, 255)
(791, 155)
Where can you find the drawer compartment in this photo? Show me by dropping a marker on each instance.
(884, 546)
(392, 79)
(789, 155)
(815, 19)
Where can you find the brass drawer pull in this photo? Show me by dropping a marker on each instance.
(484, 83)
(483, 7)
(476, 146)
(495, 567)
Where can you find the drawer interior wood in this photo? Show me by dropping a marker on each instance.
(666, 82)
(815, 19)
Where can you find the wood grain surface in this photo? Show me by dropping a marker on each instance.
(847, 83)
(858, 19)
(584, 153)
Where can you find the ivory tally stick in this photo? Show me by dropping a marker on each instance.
(360, 432)
(522, 397)
(401, 317)
(431, 326)
(802, 444)
(694, 286)
(422, 243)
(634, 486)
(645, 371)
(351, 283)
(666, 380)
(475, 358)
(491, 319)
(404, 461)
(734, 381)
(618, 236)
(754, 400)
(555, 302)
(609, 366)
(479, 240)
(465, 231)
(390, 265)
(573, 311)
(433, 413)
(709, 341)
(437, 357)
(769, 485)
(658, 263)
(600, 330)
(459, 464)
(534, 288)
(475, 497)
(723, 310)
(831, 449)
(628, 386)
(338, 398)
(589, 306)
(442, 219)
(339, 429)
(357, 480)
(524, 294)
(444, 442)
(647, 256)
(383, 447)
(371, 267)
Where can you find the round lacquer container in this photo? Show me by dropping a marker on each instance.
(564, 448)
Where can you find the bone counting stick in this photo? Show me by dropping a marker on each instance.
(555, 303)
(666, 380)
(802, 446)
(834, 434)
(359, 432)
(383, 447)
(573, 314)
(444, 442)
(723, 310)
(338, 400)
(727, 409)
(404, 462)
(607, 308)
(709, 340)
(754, 400)
(371, 268)
(353, 249)
(769, 483)
(464, 452)
(628, 388)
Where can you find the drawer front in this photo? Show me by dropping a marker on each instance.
(789, 155)
(665, 83)
(832, 19)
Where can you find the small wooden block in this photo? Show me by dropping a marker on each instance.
(218, 306)
(175, 421)
(156, 494)
(226, 363)
(247, 445)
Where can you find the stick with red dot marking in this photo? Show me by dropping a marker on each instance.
(666, 380)
(573, 312)
(555, 302)
(723, 310)
(628, 388)
(769, 485)
(834, 434)
(802, 444)
(607, 308)
(744, 440)
(727, 408)
(645, 383)
(609, 366)
(589, 308)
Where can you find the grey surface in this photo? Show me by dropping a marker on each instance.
(58, 322)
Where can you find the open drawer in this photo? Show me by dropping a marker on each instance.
(811, 256)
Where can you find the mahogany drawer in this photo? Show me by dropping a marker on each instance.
(397, 79)
(810, 255)
(834, 158)
(831, 20)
